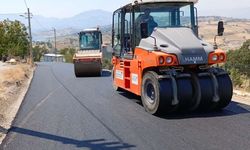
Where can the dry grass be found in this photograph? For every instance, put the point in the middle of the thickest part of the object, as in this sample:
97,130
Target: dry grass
14,80
11,81
236,33
17,73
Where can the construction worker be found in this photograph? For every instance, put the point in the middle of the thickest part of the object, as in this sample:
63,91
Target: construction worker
145,18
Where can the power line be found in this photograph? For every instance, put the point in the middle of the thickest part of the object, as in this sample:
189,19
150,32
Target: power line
25,4
40,24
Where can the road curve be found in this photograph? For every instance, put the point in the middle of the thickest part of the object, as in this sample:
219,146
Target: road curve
61,112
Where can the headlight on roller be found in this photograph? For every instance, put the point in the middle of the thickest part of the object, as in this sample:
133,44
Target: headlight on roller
161,60
215,58
222,57
169,60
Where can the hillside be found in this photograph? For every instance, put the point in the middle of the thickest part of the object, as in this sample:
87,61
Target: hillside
242,13
237,31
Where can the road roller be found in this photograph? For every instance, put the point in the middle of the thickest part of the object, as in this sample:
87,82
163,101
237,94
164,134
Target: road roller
158,55
88,60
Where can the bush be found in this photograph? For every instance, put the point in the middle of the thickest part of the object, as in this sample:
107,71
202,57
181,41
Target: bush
13,39
238,64
68,54
236,77
107,64
38,52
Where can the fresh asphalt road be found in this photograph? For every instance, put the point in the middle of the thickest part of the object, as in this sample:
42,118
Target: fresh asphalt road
61,112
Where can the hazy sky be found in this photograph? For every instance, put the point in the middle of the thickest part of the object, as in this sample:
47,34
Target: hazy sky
68,8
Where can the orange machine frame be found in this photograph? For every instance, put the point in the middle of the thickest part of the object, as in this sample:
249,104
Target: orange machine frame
128,73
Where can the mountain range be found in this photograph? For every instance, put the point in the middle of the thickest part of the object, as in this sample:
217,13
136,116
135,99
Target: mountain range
42,26
83,20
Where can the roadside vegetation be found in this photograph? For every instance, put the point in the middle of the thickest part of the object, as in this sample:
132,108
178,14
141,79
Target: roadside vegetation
13,39
38,52
14,42
106,64
14,76
68,54
107,56
238,65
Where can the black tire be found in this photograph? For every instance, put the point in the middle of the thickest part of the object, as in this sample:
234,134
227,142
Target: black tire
99,74
207,94
225,90
185,93
197,93
156,95
77,73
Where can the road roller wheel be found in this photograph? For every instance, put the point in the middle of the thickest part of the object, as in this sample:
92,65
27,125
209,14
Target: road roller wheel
77,72
185,93
207,93
197,93
87,70
156,94
99,74
225,90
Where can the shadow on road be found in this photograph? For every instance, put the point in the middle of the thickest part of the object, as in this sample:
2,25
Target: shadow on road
106,73
231,110
91,144
3,130
234,108
131,96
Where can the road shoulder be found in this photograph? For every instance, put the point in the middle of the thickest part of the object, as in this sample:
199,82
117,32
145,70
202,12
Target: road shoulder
14,84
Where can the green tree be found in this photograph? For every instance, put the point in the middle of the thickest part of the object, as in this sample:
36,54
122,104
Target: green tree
38,52
68,54
13,38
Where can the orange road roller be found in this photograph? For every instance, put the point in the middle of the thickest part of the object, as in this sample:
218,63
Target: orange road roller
158,55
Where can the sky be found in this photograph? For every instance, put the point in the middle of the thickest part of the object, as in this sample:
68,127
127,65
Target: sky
69,8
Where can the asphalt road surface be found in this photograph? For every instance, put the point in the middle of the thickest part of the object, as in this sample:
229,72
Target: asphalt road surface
61,112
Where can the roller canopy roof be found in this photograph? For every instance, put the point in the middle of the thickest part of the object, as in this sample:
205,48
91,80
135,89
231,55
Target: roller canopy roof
91,30
155,1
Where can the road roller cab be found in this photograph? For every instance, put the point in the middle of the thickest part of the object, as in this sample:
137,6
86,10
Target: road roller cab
88,60
158,55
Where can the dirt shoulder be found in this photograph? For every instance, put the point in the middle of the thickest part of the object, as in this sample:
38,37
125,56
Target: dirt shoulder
241,97
14,83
